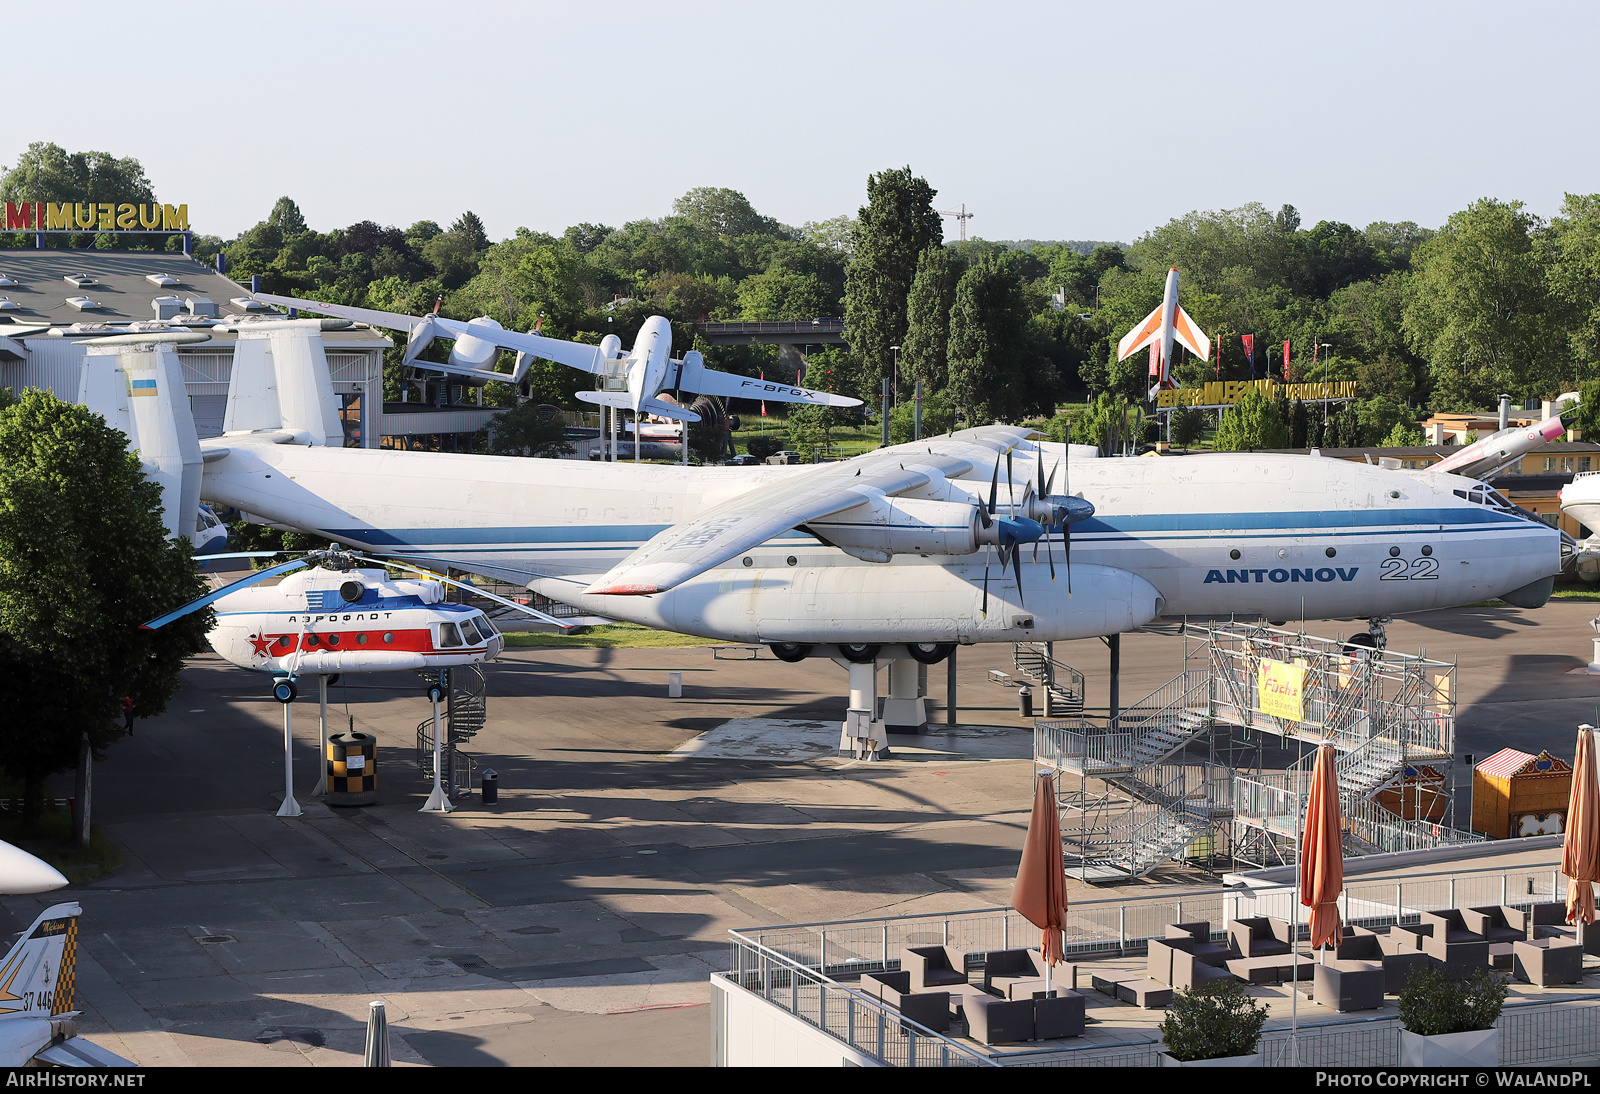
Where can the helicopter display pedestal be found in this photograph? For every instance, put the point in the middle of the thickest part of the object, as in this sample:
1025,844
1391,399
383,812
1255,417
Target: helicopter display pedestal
438,801
321,789
290,807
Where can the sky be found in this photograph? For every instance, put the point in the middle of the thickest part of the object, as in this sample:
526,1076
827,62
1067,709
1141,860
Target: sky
1048,120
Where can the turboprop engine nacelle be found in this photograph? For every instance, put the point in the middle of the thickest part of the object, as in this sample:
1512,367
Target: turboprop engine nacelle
883,527
466,352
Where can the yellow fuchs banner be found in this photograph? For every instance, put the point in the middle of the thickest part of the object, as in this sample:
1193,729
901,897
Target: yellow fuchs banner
1282,689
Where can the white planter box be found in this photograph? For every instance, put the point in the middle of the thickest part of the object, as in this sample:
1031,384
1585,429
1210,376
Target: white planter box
1252,1060
1475,1048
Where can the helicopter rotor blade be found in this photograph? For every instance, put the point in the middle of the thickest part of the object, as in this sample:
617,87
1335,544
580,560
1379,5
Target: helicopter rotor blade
479,592
217,594
239,554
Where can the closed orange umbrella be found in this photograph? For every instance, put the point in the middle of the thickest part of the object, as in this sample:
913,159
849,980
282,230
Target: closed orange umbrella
1580,846
1322,852
1040,893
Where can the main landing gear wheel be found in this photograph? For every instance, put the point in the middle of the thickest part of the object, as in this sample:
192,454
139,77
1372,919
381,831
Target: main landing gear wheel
284,691
930,653
435,693
790,651
859,655
1360,645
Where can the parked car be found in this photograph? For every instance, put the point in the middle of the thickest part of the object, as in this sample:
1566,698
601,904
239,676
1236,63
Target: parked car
784,457
741,461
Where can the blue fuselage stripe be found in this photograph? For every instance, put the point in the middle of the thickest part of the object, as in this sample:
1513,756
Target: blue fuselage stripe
1163,528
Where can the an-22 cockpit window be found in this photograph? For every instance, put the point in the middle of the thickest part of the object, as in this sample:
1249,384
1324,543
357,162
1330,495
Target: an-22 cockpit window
1484,495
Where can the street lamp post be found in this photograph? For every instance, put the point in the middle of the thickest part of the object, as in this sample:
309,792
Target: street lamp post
1325,347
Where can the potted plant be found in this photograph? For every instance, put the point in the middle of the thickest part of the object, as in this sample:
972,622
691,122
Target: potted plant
1449,1021
1214,1025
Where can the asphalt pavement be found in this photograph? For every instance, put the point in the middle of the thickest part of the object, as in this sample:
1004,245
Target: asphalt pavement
577,920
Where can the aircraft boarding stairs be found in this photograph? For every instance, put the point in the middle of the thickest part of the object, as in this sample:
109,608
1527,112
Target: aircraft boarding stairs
466,711
1387,715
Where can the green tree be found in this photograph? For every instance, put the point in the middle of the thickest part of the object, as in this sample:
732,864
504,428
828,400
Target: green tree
896,225
287,217
1105,426
86,561
1188,425
48,172
719,211
1587,416
925,352
1404,435
937,417
528,430
989,374
779,295
1480,310
1572,251
1250,425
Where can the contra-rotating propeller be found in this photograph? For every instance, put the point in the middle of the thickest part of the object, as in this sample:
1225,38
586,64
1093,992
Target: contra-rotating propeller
1008,534
1033,518
334,558
1056,511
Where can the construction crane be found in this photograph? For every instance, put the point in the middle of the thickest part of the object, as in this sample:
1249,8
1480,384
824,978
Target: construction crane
961,216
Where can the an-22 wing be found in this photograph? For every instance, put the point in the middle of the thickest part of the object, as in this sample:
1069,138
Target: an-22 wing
768,509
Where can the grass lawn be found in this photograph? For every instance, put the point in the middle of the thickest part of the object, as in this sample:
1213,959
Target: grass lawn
1576,593
53,843
610,636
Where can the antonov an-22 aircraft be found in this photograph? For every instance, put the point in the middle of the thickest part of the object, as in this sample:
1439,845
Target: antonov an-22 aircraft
889,547
929,544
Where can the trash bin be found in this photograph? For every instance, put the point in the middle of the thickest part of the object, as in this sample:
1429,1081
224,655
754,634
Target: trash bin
1025,702
491,786
352,769
674,685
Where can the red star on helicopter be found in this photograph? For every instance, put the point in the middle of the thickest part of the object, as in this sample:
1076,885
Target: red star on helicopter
260,642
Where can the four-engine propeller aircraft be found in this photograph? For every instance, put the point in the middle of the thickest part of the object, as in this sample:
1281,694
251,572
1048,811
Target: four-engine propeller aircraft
645,371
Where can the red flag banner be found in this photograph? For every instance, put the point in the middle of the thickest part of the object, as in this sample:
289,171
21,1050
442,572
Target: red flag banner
1249,341
1286,372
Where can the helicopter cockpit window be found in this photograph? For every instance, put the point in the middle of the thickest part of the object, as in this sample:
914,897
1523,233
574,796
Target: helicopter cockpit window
471,631
449,635
486,628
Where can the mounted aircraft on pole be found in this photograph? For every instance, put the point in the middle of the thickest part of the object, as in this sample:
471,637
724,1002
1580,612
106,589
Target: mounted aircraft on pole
1159,330
644,372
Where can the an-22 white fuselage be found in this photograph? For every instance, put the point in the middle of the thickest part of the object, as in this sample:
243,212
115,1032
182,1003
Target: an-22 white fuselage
1279,537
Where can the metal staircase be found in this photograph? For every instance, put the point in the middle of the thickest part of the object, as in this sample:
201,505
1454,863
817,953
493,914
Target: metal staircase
466,712
1383,712
1062,684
